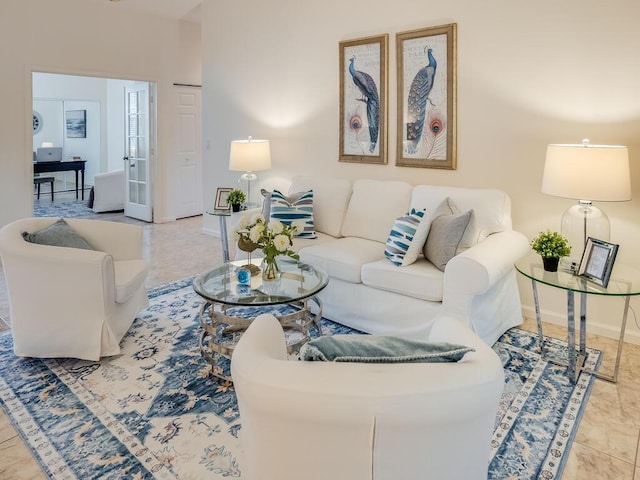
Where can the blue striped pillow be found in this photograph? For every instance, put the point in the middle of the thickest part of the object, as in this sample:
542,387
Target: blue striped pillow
407,237
298,206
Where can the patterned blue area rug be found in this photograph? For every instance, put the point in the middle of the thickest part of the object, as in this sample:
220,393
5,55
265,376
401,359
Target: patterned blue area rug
153,412
70,209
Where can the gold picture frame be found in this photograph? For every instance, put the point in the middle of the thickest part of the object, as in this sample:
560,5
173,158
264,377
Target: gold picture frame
427,85
363,100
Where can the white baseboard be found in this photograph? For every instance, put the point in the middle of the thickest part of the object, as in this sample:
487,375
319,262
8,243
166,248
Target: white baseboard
597,328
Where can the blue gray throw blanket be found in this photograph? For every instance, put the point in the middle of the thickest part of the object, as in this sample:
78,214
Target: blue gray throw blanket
380,349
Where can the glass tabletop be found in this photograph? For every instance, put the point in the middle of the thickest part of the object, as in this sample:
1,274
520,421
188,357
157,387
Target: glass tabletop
220,213
624,281
298,281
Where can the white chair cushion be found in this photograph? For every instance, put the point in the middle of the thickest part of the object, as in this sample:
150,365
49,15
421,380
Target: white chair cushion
373,206
129,275
343,258
420,280
330,199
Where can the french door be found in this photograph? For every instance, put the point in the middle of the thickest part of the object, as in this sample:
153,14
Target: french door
138,154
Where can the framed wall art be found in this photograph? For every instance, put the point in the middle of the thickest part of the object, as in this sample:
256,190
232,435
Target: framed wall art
427,85
363,100
222,198
597,261
76,123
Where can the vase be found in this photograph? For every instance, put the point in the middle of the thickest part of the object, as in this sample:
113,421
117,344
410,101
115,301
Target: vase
270,270
550,263
235,207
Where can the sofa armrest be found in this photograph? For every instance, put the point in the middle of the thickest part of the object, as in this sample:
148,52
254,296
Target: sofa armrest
477,269
109,191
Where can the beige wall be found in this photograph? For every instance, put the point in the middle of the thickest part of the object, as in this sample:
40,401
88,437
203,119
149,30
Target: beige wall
530,73
84,38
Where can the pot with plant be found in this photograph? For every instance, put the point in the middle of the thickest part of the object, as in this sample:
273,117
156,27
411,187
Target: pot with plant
236,198
551,246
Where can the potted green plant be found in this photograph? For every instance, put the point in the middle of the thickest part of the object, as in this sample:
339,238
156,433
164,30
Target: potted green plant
236,198
551,246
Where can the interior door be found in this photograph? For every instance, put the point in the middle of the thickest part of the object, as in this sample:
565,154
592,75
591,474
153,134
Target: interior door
137,157
188,151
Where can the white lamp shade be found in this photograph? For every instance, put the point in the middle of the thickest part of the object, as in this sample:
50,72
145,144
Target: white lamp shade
587,172
47,144
249,155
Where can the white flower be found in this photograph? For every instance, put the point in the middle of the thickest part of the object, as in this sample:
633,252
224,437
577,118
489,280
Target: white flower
257,218
281,242
243,223
276,227
256,232
298,225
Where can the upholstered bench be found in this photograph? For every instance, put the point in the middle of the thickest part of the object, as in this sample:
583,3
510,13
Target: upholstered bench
37,181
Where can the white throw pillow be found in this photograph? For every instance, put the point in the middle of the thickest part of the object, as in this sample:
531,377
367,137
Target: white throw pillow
407,237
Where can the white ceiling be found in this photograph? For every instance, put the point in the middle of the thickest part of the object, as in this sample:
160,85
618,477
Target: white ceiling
188,10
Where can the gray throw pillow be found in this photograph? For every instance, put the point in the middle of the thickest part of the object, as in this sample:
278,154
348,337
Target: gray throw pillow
59,234
380,349
444,238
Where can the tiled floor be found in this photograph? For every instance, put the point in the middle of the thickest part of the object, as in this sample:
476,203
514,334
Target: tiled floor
607,443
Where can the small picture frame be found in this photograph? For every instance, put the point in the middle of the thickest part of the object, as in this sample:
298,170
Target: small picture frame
597,261
222,195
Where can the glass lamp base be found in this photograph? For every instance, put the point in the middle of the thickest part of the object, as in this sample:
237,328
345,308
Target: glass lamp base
580,222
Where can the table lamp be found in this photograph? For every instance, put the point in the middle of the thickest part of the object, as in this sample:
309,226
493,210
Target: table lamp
249,156
586,173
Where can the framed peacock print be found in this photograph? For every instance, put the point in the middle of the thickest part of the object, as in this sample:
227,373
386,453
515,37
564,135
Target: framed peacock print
363,100
427,85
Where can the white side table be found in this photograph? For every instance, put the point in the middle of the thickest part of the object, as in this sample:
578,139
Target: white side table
624,282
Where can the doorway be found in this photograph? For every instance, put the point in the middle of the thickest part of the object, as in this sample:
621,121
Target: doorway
86,117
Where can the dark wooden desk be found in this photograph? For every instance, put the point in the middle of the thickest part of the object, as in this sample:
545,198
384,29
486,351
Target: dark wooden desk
67,166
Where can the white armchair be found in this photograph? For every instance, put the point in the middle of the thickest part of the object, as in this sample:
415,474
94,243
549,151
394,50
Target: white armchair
69,302
108,191
357,421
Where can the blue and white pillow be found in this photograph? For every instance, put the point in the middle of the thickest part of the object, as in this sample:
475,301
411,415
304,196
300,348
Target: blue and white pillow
407,238
298,206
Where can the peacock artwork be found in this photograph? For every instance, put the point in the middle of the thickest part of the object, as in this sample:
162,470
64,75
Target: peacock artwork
363,97
369,96
426,128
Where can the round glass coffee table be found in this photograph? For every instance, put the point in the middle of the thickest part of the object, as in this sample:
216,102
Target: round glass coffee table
230,307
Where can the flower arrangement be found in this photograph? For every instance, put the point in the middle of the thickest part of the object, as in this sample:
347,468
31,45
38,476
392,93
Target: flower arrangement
274,238
551,245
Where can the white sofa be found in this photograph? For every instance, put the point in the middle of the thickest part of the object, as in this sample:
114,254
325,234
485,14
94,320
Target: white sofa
108,191
369,293
356,421
70,302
